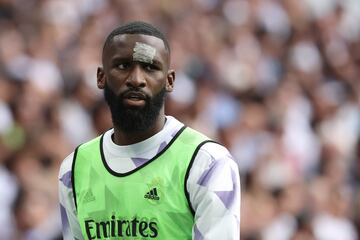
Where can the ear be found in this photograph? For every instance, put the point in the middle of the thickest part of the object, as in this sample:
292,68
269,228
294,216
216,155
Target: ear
170,80
101,79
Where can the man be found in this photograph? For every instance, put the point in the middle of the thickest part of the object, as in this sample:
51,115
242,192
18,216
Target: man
149,177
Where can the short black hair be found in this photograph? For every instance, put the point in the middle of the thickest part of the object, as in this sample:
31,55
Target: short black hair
137,27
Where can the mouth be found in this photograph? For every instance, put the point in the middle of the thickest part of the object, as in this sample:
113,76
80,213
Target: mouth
134,99
135,95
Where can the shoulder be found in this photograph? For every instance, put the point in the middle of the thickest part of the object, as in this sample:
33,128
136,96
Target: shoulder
65,174
210,148
215,150
213,153
212,160
209,151
66,164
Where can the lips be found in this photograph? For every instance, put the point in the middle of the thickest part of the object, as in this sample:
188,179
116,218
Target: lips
134,98
134,95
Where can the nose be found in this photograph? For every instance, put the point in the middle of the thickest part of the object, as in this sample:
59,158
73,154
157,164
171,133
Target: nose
136,78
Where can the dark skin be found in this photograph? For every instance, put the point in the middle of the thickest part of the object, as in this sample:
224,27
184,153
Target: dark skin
121,73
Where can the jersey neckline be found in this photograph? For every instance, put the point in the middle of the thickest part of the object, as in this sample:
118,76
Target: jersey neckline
117,174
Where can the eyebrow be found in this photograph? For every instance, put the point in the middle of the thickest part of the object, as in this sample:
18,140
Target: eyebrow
130,59
121,59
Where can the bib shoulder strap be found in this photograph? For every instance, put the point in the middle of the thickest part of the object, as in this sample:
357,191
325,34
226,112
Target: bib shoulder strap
82,150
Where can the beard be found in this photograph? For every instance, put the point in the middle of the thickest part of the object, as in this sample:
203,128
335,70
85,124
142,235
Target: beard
133,119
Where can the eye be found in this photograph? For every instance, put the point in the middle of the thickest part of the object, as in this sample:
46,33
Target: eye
150,67
123,66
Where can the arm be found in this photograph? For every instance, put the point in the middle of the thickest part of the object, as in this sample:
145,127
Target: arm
214,190
70,224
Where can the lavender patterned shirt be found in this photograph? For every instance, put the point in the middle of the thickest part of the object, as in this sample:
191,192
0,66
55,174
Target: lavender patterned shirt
213,183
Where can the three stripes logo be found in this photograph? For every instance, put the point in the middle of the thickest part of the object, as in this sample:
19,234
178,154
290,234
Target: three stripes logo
152,194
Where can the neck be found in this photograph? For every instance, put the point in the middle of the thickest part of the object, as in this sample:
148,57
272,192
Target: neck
126,138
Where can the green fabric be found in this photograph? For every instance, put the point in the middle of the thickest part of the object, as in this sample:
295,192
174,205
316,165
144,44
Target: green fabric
149,203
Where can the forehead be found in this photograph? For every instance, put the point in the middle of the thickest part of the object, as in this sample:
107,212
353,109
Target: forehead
123,46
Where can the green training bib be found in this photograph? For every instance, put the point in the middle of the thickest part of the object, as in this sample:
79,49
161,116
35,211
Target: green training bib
149,202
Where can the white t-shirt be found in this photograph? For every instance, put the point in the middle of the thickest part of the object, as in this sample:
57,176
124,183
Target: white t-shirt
213,183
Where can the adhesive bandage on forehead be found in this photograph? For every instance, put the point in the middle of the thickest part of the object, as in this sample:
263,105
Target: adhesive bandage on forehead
143,53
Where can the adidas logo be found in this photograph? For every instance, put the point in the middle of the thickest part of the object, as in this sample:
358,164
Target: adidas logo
152,194
89,197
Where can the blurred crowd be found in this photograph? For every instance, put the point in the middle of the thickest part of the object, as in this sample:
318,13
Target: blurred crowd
276,81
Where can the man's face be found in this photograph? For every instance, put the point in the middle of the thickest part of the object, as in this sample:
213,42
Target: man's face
135,77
